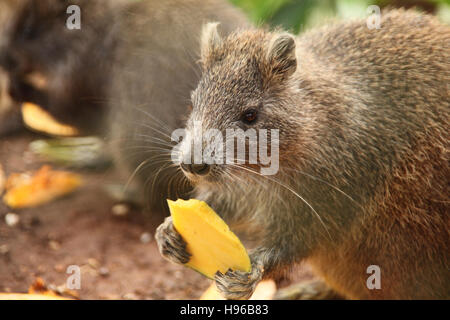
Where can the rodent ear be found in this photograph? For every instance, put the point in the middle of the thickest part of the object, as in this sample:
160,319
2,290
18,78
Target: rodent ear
210,41
281,56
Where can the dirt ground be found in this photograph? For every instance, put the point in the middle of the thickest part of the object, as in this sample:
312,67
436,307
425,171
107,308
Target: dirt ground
117,255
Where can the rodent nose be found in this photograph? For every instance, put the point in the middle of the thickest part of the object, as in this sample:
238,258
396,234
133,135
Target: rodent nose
198,169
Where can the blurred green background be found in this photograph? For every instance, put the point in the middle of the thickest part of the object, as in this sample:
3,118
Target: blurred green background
299,15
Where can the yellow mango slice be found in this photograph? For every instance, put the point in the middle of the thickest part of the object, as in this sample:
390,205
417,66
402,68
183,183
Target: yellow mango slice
24,190
40,120
213,246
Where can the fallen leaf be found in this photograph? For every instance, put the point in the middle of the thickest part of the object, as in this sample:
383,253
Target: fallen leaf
37,291
26,296
30,190
40,288
40,120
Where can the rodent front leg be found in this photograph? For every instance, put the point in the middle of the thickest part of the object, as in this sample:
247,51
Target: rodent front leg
170,243
239,285
275,254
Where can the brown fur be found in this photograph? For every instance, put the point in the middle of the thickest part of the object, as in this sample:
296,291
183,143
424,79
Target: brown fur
364,140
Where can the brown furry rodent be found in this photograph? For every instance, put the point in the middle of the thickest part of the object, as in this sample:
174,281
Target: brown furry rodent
364,154
128,69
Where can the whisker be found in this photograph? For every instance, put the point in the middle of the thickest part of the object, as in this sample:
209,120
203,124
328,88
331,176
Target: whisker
289,189
147,147
142,164
162,125
327,183
164,134
153,138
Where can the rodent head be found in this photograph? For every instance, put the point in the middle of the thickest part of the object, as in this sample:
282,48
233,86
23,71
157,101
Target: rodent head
246,84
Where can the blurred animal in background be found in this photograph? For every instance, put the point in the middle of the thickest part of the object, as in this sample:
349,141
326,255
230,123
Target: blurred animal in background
126,75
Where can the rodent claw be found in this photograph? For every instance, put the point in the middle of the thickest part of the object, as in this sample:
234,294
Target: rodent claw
170,243
237,285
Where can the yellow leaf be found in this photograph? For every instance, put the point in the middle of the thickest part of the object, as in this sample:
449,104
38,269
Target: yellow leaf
40,120
45,185
27,296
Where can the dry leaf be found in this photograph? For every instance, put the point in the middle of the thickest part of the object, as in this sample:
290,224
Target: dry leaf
30,190
39,287
26,296
265,290
40,120
37,291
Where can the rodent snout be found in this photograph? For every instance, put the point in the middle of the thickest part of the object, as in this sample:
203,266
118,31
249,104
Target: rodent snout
201,169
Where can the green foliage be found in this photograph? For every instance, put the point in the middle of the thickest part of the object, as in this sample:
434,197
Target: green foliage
298,15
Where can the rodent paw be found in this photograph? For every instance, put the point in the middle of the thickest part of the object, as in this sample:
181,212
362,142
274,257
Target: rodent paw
238,285
170,243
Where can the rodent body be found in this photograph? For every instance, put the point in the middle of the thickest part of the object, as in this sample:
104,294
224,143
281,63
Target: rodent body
391,155
364,153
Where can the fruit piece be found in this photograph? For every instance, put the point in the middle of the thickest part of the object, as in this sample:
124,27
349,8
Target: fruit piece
212,245
265,290
24,190
2,180
40,120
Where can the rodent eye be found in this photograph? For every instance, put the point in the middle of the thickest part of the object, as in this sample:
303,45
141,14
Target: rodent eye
249,116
